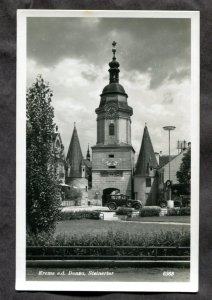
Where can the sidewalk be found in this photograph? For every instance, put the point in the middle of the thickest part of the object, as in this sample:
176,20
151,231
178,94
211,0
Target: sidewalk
111,216
80,208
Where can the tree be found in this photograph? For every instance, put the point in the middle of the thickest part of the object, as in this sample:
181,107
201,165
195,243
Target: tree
73,194
184,174
42,189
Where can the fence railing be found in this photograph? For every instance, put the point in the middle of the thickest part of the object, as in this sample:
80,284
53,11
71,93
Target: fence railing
152,253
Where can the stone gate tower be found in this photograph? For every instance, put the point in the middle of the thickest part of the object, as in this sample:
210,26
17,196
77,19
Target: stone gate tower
113,154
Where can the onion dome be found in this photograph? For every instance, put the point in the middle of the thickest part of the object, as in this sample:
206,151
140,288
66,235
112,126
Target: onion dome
114,86
114,63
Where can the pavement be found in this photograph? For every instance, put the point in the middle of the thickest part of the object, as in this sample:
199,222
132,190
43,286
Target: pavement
153,222
80,208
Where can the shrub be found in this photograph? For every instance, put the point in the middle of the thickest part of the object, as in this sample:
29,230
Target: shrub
117,238
185,211
39,239
124,211
175,211
83,214
149,211
73,194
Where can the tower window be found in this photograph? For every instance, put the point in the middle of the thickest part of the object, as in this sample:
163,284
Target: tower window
111,155
111,129
148,182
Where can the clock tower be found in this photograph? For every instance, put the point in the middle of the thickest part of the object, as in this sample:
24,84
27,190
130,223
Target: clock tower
113,154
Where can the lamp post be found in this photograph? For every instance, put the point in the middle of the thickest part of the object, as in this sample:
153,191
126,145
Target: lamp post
169,128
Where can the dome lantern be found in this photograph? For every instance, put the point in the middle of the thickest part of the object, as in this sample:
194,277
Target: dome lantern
114,49
114,66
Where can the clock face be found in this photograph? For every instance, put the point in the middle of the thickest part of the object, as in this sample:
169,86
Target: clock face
111,111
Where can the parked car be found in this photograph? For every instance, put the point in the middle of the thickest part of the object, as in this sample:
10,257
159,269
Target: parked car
114,201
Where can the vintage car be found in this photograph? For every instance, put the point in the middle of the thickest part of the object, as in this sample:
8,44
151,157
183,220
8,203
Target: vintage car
114,201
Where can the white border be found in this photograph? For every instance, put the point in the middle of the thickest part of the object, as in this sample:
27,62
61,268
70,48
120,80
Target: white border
21,283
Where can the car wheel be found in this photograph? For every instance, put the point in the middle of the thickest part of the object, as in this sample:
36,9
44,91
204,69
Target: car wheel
137,206
112,206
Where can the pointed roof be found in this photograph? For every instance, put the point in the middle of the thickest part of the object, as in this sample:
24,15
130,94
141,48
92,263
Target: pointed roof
88,156
164,159
74,156
87,163
146,158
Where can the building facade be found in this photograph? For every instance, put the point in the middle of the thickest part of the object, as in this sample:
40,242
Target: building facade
163,176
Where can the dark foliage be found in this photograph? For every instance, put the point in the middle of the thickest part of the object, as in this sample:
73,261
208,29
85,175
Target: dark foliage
149,211
42,190
124,211
185,211
184,174
73,194
173,211
77,215
113,239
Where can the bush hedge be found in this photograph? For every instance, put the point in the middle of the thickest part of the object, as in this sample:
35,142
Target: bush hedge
185,211
149,211
175,211
124,211
40,239
114,238
77,215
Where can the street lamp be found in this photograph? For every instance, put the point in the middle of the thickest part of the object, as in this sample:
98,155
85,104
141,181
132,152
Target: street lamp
169,128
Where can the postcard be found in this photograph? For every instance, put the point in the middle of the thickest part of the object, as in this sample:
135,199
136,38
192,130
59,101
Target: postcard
107,150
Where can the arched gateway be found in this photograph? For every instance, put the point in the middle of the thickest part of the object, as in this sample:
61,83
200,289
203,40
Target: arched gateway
107,192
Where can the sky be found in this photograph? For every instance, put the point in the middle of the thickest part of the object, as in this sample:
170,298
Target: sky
72,54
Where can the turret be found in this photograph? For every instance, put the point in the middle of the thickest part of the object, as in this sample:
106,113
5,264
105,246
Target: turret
74,157
88,156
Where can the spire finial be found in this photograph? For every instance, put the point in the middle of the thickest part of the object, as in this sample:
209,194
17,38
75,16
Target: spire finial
74,124
88,156
145,124
114,49
114,66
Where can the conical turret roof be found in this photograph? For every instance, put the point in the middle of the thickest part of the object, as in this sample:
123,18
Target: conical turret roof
146,158
74,157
